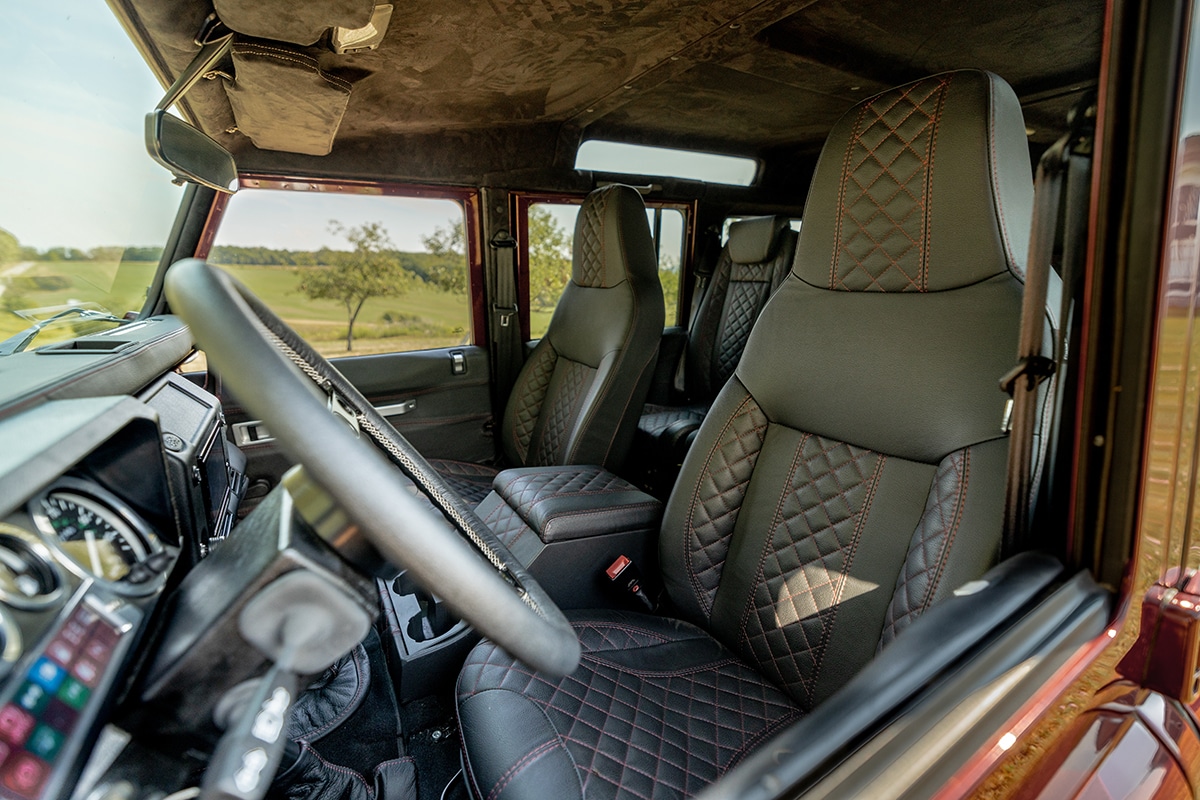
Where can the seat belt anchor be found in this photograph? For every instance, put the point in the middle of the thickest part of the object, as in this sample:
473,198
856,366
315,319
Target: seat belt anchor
1037,367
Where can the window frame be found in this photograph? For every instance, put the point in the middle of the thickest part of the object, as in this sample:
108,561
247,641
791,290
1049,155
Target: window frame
519,203
468,198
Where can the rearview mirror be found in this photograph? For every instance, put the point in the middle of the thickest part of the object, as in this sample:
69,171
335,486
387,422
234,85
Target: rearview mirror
189,153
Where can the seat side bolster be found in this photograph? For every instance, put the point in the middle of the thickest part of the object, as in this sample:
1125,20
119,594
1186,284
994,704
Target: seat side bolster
499,761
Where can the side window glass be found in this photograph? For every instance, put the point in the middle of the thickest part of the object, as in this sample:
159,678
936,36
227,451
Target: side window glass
353,274
550,228
667,226
551,231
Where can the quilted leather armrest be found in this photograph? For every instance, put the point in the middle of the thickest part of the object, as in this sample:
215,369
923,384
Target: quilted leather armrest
573,502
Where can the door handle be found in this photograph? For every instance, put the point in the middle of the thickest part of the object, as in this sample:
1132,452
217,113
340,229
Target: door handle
396,409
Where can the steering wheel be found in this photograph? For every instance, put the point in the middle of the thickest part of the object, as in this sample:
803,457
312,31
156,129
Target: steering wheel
278,378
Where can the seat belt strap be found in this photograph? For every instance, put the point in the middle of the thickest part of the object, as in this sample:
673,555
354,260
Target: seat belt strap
1022,381
705,267
504,321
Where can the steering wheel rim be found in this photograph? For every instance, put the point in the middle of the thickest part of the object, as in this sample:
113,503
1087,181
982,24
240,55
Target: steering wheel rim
241,339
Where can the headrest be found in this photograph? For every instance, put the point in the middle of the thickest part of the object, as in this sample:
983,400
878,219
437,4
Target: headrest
752,240
612,239
916,190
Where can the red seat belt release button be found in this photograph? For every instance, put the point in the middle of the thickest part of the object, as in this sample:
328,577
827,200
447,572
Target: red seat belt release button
625,575
617,567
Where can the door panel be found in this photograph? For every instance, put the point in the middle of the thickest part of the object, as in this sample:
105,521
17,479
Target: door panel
444,415
443,409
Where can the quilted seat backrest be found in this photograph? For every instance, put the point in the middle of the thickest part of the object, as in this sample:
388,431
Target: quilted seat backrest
851,473
752,264
577,398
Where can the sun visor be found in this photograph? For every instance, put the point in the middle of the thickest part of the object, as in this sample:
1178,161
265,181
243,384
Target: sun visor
290,21
283,100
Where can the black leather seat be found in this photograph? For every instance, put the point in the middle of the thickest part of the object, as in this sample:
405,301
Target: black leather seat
576,400
847,477
752,264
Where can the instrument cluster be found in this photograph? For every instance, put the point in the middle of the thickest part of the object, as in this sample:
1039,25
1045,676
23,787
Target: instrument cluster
76,570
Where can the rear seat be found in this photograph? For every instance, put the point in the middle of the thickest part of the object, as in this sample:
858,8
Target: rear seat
751,266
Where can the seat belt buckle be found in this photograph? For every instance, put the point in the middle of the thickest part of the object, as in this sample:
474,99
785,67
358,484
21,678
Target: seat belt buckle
626,578
504,314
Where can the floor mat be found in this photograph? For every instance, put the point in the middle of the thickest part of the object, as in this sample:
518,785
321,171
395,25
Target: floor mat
432,741
371,735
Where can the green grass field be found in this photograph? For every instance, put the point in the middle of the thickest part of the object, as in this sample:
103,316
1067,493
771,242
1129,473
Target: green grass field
115,287
421,319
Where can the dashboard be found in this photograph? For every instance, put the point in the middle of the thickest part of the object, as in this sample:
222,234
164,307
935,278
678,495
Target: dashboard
104,503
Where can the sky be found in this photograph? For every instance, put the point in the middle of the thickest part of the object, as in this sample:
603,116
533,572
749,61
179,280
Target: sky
73,163
290,220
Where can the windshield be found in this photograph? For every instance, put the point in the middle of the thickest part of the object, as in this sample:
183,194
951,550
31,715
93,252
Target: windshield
83,209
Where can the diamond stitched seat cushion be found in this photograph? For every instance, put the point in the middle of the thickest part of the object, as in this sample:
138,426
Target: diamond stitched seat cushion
656,709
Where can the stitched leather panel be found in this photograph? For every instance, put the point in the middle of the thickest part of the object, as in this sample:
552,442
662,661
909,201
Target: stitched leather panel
569,502
570,382
884,207
930,546
656,419
311,777
506,523
745,300
527,396
806,556
331,699
473,482
656,709
589,265
717,498
760,272
529,488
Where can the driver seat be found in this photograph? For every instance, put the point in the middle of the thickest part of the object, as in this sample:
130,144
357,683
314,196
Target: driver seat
849,475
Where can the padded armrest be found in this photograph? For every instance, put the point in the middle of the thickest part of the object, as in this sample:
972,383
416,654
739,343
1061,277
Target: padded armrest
567,524
564,503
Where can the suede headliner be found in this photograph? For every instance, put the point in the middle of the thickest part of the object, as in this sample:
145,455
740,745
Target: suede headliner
500,91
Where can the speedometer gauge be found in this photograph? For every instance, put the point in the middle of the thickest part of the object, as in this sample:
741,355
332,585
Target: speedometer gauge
98,535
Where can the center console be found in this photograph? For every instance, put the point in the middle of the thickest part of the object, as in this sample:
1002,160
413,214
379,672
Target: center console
570,526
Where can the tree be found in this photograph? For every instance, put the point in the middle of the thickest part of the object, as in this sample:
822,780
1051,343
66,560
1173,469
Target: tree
449,271
371,269
668,276
549,258
10,249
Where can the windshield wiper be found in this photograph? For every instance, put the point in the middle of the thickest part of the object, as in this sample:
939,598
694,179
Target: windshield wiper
17,343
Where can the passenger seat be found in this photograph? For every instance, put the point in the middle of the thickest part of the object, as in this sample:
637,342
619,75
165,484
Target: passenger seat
750,268
575,401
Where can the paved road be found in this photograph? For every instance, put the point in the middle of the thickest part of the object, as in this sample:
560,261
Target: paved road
12,272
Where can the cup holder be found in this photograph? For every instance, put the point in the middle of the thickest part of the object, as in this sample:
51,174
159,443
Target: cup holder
432,620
